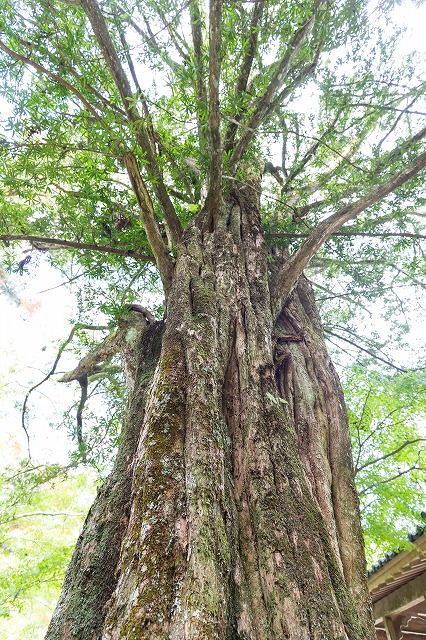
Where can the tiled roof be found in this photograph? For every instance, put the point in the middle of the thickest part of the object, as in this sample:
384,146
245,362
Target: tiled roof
388,556
398,568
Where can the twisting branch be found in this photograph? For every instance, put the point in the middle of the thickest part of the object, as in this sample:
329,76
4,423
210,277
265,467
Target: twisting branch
285,278
112,59
46,244
83,398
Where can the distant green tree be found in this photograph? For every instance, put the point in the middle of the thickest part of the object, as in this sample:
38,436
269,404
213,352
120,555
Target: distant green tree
387,415
42,509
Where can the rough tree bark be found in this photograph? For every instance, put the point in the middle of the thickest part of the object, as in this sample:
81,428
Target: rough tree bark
231,512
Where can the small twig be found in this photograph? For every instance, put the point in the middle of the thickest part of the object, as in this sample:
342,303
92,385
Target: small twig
43,513
49,375
391,479
371,353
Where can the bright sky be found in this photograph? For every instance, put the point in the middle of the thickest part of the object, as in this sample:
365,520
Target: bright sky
27,333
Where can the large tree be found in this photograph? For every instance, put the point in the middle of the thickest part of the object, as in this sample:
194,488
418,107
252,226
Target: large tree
146,133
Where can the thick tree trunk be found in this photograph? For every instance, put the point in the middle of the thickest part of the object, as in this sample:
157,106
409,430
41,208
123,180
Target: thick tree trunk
243,520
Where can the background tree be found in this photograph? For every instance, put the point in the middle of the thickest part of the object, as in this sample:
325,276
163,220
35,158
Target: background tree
41,513
231,503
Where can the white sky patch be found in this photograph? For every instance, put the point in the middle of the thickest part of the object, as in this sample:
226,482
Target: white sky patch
30,335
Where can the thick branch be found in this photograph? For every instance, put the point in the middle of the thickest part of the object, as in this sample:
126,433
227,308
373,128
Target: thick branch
88,365
245,70
215,39
284,280
197,41
109,52
163,260
70,244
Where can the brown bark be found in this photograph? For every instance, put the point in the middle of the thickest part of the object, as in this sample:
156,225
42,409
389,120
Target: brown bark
243,518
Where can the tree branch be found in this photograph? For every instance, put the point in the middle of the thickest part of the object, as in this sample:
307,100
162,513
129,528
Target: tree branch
200,87
55,77
391,479
49,375
361,234
263,103
83,382
395,124
110,55
149,40
70,244
174,36
388,455
66,514
284,280
159,249
245,70
65,147
215,39
358,424
370,353
88,365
